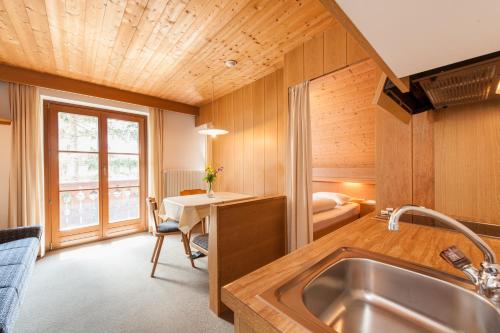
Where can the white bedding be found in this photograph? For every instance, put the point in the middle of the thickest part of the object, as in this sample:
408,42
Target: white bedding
330,217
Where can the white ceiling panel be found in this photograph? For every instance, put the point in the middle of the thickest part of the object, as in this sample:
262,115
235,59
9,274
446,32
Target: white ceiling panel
415,36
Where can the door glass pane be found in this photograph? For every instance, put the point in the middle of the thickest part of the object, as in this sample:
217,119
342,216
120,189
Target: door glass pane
78,132
123,170
78,171
123,204
78,209
123,136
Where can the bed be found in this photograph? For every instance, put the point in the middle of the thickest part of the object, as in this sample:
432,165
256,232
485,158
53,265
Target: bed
329,220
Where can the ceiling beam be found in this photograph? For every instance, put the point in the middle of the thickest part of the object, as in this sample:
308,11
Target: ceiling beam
345,21
34,78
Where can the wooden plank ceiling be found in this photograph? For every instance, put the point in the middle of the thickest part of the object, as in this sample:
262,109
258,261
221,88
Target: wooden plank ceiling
168,49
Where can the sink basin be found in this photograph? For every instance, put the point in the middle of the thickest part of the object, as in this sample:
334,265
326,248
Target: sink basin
358,291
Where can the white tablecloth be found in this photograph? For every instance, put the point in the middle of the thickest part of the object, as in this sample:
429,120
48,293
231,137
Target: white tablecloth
191,209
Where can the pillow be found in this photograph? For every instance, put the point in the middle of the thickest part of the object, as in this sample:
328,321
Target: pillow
339,198
321,205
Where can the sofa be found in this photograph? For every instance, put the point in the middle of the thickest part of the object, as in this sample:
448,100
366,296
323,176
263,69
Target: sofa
18,252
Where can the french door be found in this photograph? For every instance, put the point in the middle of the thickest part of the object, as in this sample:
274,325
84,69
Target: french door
95,173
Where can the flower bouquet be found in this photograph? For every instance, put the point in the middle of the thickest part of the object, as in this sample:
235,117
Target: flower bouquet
210,177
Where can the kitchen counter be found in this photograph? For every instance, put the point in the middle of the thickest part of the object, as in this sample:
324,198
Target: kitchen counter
414,243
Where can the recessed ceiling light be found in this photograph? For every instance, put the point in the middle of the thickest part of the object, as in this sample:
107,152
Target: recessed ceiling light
230,63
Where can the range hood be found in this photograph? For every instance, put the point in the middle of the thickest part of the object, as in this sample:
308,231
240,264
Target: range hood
470,81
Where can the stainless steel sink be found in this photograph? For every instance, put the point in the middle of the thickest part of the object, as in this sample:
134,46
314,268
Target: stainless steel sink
358,291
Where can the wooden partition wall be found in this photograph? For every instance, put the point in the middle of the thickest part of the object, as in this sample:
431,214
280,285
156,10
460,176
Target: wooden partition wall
244,236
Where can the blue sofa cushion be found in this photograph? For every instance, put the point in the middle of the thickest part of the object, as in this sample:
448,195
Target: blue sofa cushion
25,242
18,255
9,309
14,276
18,250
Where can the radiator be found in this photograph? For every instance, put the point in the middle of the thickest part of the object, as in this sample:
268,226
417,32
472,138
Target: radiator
176,180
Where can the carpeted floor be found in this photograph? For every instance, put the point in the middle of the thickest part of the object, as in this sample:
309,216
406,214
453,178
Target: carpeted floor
105,287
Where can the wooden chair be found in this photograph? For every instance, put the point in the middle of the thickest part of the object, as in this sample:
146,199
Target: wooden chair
193,191
163,229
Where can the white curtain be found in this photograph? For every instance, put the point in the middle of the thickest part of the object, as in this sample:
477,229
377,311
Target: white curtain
155,143
26,202
299,168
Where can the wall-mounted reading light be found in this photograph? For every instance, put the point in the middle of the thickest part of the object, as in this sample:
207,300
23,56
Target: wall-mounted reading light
498,88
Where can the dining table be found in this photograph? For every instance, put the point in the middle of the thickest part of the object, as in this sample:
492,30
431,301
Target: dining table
188,210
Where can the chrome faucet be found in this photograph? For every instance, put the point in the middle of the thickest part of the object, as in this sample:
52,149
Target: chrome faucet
487,277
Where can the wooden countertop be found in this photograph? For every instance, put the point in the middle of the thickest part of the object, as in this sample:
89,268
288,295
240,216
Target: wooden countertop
413,243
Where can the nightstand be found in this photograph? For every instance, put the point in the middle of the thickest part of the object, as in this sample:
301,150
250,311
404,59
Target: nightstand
366,207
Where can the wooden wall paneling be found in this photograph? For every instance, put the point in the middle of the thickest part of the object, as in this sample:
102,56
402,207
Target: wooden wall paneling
259,133
335,48
250,152
456,168
209,159
467,161
224,153
294,66
216,142
204,116
227,158
313,57
423,159
271,134
248,139
355,53
343,118
238,136
282,130
393,161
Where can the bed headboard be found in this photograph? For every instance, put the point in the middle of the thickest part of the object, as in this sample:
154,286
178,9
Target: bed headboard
355,182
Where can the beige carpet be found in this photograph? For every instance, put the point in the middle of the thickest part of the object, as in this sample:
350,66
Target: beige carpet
105,287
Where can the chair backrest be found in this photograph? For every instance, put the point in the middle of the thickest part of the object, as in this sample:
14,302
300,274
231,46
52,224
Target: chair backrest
193,191
153,207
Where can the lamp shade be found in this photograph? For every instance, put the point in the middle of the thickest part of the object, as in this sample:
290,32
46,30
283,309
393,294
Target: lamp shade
213,132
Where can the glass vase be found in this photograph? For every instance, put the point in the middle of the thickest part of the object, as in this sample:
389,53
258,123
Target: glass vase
210,191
